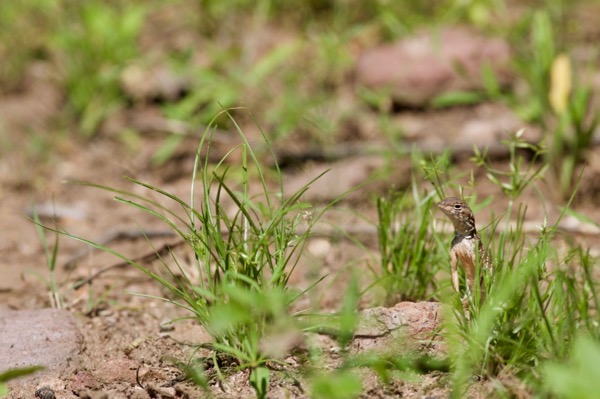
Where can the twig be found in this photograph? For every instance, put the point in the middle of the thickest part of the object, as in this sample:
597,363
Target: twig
141,259
117,236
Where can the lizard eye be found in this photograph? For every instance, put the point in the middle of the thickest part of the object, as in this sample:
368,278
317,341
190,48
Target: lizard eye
457,206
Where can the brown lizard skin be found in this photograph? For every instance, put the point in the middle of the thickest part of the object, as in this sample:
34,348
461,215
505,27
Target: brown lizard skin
467,247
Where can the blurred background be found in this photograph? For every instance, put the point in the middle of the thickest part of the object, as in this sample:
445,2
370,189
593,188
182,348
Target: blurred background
322,79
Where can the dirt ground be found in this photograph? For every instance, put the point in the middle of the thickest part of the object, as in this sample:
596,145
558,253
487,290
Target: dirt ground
121,334
124,346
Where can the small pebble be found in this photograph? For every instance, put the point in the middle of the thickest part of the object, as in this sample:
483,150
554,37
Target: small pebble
166,326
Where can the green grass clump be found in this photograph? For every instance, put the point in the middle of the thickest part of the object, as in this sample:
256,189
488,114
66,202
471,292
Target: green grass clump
243,258
409,262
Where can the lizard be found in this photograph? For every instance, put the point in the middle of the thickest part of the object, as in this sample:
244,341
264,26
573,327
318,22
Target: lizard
467,247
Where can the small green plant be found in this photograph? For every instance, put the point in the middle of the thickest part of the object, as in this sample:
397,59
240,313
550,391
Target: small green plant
51,253
534,64
436,171
406,245
23,37
100,38
521,172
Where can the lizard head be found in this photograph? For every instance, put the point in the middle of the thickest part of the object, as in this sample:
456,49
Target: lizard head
459,214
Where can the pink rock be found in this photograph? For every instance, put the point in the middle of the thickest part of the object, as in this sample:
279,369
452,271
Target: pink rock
402,328
419,68
45,337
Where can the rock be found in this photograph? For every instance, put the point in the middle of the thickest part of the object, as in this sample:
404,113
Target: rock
485,125
144,83
419,68
405,325
190,333
46,337
341,177
319,247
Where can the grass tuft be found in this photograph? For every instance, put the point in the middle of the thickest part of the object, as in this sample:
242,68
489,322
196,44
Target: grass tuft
246,244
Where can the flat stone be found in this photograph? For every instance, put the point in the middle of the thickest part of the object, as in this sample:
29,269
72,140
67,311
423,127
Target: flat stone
339,178
417,317
403,327
45,337
419,68
485,125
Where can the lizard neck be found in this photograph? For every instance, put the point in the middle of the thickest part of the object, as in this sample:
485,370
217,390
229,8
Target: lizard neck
461,217
465,235
465,229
